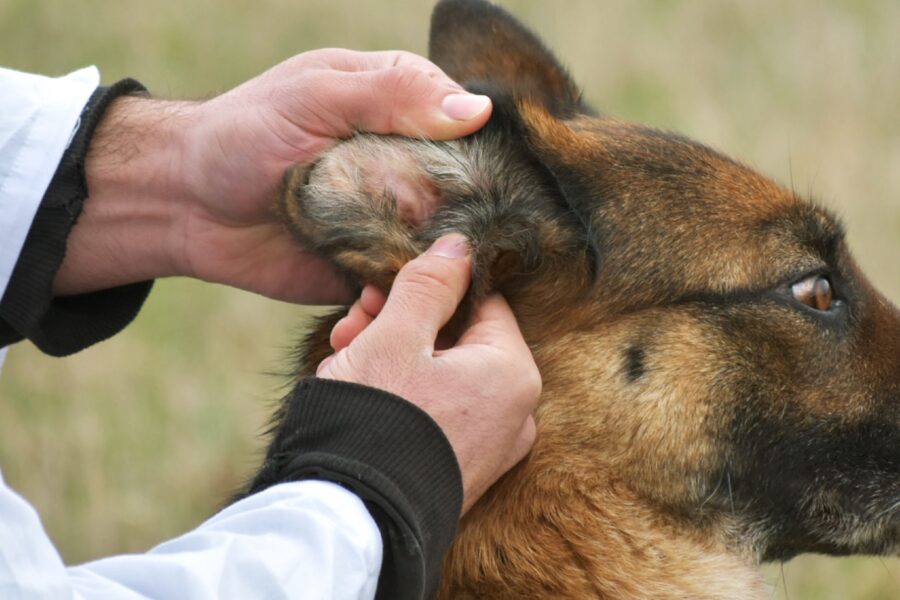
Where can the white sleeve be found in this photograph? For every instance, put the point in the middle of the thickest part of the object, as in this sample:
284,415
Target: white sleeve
307,539
38,116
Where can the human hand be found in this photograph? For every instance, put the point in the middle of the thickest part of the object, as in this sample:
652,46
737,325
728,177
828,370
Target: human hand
180,188
481,391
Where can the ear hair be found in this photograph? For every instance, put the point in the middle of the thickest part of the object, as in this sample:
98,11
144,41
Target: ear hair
519,216
531,123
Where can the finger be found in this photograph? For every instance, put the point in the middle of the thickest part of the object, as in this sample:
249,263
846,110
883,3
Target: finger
355,61
372,300
407,77
414,102
493,323
426,293
360,315
346,330
401,99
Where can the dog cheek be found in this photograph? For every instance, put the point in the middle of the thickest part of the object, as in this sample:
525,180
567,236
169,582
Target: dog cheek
656,428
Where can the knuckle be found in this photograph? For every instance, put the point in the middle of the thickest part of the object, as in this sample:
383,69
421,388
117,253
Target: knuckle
405,83
437,279
400,58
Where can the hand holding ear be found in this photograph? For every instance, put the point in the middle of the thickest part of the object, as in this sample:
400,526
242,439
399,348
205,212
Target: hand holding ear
481,392
246,139
186,188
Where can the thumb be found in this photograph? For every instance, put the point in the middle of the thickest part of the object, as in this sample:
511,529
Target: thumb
414,103
426,292
403,94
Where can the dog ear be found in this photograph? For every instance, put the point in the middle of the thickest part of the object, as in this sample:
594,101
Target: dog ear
474,41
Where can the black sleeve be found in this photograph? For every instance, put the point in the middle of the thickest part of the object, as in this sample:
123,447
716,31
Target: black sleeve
391,454
66,324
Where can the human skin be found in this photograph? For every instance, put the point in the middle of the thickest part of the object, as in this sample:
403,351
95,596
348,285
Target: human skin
186,189
481,391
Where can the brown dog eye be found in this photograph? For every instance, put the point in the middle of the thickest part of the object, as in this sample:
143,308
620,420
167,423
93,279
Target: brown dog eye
814,291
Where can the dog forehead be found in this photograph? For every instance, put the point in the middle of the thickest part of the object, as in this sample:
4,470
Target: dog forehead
681,210
674,174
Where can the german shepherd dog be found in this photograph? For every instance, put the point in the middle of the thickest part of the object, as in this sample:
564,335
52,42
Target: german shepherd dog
721,383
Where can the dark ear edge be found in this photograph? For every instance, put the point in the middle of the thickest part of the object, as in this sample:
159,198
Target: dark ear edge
474,40
506,123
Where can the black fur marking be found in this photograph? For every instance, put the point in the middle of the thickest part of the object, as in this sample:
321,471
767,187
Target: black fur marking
634,363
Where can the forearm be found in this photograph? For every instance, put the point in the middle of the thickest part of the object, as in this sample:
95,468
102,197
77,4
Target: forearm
128,230
60,325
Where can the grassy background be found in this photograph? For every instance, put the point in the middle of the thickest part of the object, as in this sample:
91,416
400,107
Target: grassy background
141,437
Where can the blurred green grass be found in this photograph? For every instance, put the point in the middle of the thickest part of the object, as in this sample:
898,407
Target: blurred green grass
141,437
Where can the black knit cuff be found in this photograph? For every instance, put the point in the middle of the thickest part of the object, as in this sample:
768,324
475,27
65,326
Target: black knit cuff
391,454
67,324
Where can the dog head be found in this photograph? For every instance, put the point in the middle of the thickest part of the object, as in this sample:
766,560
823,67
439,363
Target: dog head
708,346
728,351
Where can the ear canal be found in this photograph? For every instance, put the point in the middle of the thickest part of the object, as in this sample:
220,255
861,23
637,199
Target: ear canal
474,41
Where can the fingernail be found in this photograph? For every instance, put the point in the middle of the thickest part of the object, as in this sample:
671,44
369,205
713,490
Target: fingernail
452,245
462,107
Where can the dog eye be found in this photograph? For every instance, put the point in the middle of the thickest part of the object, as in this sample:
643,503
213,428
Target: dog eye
813,291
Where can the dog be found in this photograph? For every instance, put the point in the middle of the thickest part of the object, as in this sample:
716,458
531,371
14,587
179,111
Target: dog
721,382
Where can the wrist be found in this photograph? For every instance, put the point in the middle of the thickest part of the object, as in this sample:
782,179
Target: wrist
128,229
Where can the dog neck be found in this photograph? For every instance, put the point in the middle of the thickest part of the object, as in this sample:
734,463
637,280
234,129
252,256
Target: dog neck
543,532
568,521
